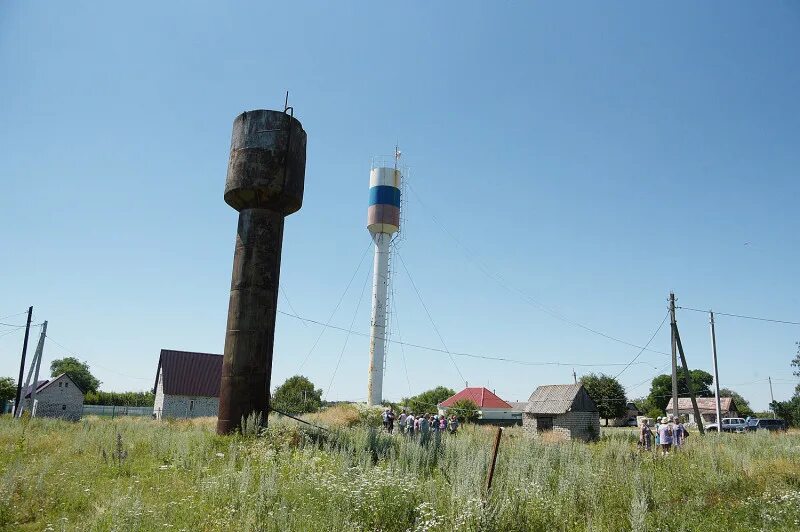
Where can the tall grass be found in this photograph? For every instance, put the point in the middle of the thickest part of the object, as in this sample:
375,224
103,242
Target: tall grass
181,476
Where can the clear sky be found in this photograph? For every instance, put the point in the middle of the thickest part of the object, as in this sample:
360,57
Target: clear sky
592,156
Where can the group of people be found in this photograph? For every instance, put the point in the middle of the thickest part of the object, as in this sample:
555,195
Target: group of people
421,425
669,433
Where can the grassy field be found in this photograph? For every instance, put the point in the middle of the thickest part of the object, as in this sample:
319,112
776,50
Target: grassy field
181,476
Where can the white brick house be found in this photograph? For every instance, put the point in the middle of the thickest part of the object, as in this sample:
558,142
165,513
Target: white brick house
562,408
58,397
187,384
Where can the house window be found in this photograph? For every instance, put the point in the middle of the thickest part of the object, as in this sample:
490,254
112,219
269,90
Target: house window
191,406
60,384
63,407
66,384
544,423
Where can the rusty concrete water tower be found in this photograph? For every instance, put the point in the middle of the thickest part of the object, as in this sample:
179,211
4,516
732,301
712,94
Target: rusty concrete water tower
266,172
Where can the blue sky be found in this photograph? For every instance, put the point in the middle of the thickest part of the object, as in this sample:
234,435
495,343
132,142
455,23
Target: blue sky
593,156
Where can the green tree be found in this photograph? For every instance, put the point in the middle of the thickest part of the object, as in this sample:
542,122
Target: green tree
427,401
297,396
8,390
661,388
119,398
466,410
78,371
607,393
742,405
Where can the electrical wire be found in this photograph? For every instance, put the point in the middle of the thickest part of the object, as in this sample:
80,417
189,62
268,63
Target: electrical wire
349,332
645,346
435,328
289,303
785,322
529,299
12,315
461,354
73,353
400,335
308,355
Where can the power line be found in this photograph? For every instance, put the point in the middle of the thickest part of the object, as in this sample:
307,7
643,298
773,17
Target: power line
645,346
358,267
349,332
12,315
419,296
12,331
460,354
71,352
529,299
785,322
396,322
291,307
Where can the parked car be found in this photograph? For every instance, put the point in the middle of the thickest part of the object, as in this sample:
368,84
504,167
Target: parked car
766,424
729,424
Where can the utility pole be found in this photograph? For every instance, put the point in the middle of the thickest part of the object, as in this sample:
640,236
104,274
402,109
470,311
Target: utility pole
771,397
35,363
688,377
22,362
39,354
674,328
716,373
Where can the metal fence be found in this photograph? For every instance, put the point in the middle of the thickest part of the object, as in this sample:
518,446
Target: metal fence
114,411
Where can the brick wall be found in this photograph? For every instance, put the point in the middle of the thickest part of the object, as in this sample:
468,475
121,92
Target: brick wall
182,406
60,399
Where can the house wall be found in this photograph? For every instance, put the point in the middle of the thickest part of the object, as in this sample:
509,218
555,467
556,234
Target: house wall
183,406
60,399
576,425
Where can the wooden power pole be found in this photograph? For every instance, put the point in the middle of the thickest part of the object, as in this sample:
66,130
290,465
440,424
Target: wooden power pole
687,376
674,328
716,373
17,402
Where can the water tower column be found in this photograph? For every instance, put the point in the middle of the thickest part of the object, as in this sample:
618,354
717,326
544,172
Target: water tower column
383,221
266,173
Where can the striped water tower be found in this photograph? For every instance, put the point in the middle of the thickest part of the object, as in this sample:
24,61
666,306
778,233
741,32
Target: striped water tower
383,221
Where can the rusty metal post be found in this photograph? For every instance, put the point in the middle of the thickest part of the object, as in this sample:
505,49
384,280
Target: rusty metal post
266,173
493,462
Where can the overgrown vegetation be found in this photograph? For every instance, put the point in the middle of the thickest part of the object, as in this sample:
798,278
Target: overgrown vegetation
119,398
427,401
297,395
78,371
139,474
607,393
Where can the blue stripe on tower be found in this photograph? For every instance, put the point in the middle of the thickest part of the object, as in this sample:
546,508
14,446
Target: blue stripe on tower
384,195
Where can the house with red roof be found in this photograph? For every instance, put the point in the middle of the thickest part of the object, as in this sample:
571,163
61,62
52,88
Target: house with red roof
492,409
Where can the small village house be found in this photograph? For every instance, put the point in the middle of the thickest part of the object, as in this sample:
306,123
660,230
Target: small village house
58,397
628,419
491,409
564,409
187,384
707,407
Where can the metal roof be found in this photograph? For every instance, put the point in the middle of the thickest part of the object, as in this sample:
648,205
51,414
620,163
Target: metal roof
27,390
482,397
559,399
706,405
188,373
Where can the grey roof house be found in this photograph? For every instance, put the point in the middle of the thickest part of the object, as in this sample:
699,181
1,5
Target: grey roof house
58,397
707,407
564,409
187,384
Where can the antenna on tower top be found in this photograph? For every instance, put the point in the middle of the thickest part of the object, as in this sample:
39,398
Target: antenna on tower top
397,155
